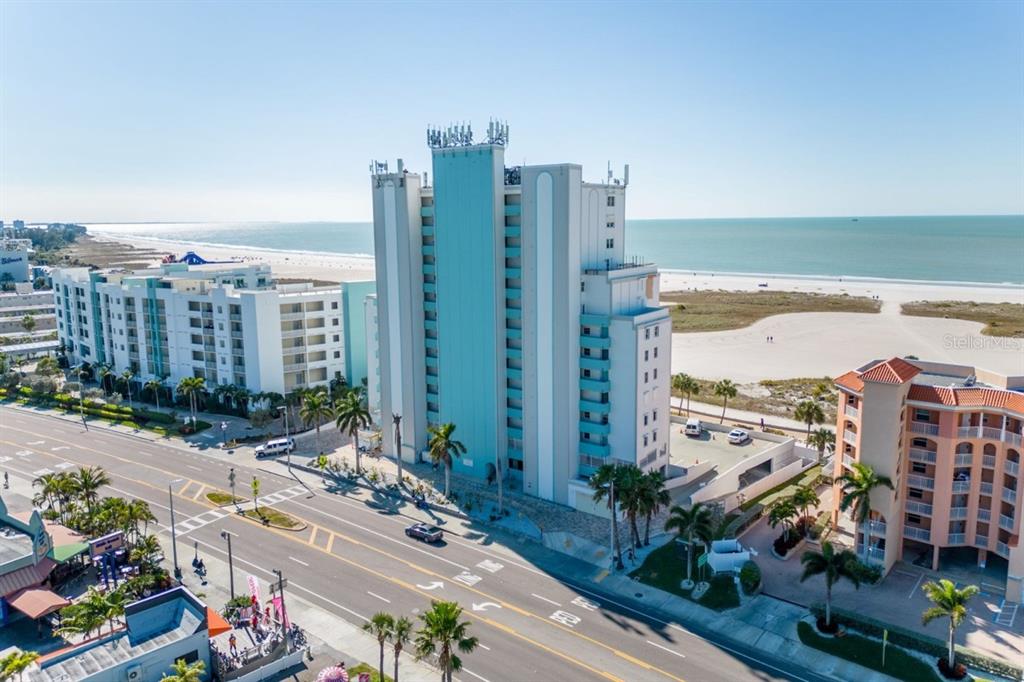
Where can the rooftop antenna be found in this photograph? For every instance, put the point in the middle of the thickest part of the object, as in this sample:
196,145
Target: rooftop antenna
609,172
625,177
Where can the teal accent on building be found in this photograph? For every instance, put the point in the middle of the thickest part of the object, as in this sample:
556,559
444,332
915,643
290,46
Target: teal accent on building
154,327
468,190
353,294
99,342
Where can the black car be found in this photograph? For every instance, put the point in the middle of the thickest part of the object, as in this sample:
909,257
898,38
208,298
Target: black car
422,531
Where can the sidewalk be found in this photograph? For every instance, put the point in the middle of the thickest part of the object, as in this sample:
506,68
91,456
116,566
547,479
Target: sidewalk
752,419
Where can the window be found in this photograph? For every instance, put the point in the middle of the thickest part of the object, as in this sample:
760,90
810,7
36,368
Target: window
334,305
919,443
647,333
654,415
610,224
609,243
515,464
655,351
656,331
583,286
220,310
915,493
334,322
336,338
611,201
655,372
654,435
922,415
337,354
645,419
913,518
645,377
647,355
918,467
645,440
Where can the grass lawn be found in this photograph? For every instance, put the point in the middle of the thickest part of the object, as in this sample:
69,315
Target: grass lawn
712,311
786,489
665,568
868,653
1000,319
275,517
220,498
770,396
353,672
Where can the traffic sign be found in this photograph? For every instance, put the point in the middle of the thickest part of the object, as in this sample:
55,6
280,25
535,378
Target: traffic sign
702,560
282,584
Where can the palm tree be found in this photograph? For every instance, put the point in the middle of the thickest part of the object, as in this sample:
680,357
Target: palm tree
86,483
350,416
630,499
686,385
154,386
783,512
835,566
809,412
126,379
106,379
138,511
192,388
442,633
947,602
442,448
693,523
380,626
804,498
401,631
822,390
653,497
87,614
315,410
145,552
856,491
113,606
603,482
185,672
725,389
822,439
16,663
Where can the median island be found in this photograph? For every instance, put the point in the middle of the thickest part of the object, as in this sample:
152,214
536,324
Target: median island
712,311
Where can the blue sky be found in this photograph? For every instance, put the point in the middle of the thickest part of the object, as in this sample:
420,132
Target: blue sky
234,111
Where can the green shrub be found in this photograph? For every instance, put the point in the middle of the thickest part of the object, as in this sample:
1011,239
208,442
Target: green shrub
750,577
868,653
910,639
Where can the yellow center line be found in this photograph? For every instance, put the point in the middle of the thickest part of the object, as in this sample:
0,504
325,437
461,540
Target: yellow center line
414,566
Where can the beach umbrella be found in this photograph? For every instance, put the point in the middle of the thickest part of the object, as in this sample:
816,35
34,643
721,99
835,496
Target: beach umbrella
332,674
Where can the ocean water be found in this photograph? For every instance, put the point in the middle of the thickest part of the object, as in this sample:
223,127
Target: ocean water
983,249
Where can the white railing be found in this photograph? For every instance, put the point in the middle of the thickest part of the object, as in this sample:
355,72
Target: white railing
1009,496
1003,549
875,554
964,459
850,437
961,486
956,538
921,455
1012,468
921,482
980,541
984,514
986,487
988,461
967,432
876,527
848,461
919,508
917,533
989,432
1012,438
925,428
958,512
852,411
1005,522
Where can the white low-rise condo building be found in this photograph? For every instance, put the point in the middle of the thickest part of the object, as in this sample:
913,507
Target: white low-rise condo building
507,306
228,323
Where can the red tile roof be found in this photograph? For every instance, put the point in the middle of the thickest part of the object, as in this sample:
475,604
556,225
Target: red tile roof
973,396
893,371
850,380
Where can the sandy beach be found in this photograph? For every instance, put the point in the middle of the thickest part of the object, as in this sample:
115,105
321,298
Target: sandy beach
806,344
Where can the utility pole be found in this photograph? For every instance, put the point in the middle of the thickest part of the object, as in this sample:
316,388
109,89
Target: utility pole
285,408
174,535
284,613
231,564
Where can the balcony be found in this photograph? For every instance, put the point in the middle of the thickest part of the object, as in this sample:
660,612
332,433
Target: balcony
875,554
957,513
980,540
1012,438
235,317
967,432
592,407
986,487
850,437
925,428
848,461
599,429
963,459
922,482
876,528
988,461
599,364
961,486
956,538
922,534
291,317
1012,468
1009,496
1003,550
922,455
594,449
851,411
984,514
600,386
1006,522
595,342
922,508
989,432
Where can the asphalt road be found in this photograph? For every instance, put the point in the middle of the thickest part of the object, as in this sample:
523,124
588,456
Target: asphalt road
353,561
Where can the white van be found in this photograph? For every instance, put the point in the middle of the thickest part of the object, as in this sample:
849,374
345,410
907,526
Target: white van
693,427
278,446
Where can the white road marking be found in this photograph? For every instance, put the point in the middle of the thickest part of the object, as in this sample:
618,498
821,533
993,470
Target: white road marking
467,578
374,594
194,468
42,472
565,618
59,448
64,465
585,603
666,649
299,561
37,442
24,453
490,566
436,585
913,590
544,599
483,646
4,459
467,670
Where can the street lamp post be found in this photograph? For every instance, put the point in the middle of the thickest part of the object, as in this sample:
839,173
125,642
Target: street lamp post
285,408
284,613
174,535
231,564
231,480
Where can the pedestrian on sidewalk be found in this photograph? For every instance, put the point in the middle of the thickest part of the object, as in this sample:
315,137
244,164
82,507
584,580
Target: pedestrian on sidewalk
233,644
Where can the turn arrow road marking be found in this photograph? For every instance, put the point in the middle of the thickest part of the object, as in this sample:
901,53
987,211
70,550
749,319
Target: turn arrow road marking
485,605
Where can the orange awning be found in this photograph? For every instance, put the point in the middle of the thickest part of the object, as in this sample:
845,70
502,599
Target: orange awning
216,623
36,602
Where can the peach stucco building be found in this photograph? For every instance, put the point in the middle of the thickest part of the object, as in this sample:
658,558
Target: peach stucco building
949,437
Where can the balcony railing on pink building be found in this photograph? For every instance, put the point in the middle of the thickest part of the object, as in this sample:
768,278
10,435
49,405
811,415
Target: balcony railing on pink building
1013,438
961,486
925,428
1009,496
922,455
850,437
1006,522
1012,468
980,541
917,533
957,513
963,459
988,461
984,514
921,482
851,411
986,488
876,528
989,432
1003,549
956,538
966,431
915,507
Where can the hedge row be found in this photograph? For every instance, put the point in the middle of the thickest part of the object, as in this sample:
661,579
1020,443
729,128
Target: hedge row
95,407
915,640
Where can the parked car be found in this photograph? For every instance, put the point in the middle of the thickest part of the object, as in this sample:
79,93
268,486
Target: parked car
422,531
278,446
693,427
738,436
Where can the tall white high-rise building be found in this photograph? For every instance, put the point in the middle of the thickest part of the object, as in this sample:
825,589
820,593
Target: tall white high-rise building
507,306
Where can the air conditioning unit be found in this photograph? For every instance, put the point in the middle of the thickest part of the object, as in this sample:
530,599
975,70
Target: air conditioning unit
133,673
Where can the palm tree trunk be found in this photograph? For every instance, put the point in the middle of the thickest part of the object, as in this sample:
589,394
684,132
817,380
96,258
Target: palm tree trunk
447,478
687,405
616,548
636,531
951,657
318,438
725,402
689,557
355,440
647,531
381,667
397,653
828,605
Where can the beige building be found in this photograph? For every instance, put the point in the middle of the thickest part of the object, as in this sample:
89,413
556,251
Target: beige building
949,437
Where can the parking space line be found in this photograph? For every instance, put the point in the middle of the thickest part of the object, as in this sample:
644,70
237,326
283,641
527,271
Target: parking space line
664,648
913,590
